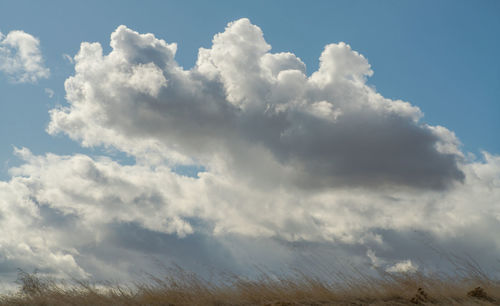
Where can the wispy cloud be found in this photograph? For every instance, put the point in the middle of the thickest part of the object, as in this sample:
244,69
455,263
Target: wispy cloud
49,92
68,58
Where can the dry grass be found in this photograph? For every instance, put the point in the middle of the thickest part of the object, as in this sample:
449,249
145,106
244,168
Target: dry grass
468,286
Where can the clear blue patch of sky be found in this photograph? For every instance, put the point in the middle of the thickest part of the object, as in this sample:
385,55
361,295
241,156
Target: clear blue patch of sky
188,170
439,55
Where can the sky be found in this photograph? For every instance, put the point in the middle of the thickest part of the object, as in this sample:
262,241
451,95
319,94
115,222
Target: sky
232,134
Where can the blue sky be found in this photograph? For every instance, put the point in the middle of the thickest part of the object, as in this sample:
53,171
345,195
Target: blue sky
440,56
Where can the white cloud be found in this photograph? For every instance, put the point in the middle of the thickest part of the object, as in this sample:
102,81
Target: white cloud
21,58
321,161
85,206
24,242
326,130
405,266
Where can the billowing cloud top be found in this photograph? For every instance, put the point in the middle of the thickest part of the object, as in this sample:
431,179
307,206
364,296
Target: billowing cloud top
253,113
20,57
321,160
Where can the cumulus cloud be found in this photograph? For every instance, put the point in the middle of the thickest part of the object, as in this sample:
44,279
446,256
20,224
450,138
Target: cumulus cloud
326,130
25,242
292,163
21,58
74,215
